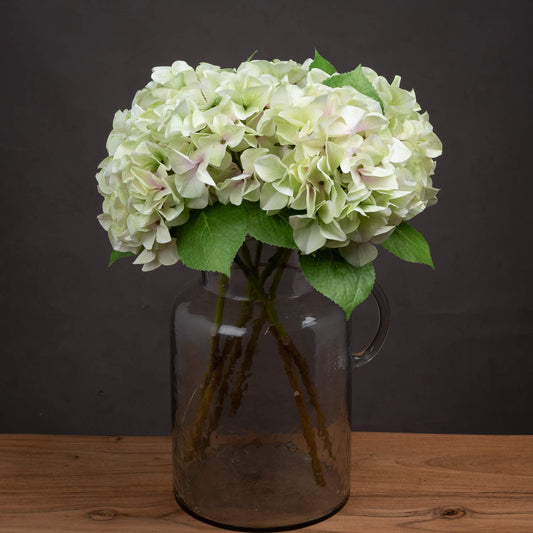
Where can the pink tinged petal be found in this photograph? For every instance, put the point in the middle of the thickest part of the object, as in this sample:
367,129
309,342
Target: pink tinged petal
189,186
372,121
179,162
191,174
155,183
232,135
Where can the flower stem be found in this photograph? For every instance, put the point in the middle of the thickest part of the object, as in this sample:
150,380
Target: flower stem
221,299
232,351
222,364
290,354
309,436
216,363
216,379
242,375
305,373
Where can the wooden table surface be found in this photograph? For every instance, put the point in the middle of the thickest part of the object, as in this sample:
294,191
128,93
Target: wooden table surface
400,482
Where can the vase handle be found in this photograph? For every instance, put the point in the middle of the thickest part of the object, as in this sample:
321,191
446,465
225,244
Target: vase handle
362,358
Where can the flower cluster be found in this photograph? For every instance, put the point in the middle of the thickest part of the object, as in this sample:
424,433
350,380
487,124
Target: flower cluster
270,132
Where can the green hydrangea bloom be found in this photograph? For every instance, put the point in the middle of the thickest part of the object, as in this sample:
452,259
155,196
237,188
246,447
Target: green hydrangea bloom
268,132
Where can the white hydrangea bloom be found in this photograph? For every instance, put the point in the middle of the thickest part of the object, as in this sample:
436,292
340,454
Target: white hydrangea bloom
267,132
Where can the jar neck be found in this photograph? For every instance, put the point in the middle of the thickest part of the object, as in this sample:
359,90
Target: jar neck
258,268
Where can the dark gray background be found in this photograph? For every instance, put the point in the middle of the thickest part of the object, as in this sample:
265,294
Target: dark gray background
85,349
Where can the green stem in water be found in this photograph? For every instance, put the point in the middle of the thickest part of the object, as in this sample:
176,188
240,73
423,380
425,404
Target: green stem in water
242,375
305,373
258,251
221,299
247,256
211,377
232,352
309,436
217,379
289,353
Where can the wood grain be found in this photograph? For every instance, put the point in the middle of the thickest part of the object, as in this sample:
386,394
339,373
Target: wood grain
400,482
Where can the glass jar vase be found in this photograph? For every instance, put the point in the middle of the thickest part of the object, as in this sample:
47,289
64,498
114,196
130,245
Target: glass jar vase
261,395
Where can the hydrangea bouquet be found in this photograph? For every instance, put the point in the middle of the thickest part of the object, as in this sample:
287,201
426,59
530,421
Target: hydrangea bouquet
294,155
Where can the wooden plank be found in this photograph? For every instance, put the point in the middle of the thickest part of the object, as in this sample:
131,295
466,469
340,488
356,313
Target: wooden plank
400,482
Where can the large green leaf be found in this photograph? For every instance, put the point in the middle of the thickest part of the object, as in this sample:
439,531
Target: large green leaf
270,229
212,237
322,64
335,278
356,79
116,255
408,244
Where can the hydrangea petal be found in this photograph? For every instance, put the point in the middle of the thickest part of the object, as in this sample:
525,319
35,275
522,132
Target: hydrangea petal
271,199
249,156
270,168
399,153
359,254
307,234
168,253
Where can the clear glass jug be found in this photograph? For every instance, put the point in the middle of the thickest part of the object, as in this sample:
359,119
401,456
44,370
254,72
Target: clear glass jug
261,395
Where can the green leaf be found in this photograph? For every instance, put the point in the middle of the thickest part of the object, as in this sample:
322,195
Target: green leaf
322,64
270,229
408,244
212,237
356,79
335,278
252,56
116,255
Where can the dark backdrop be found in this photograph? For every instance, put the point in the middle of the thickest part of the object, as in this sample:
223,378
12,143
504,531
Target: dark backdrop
85,349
